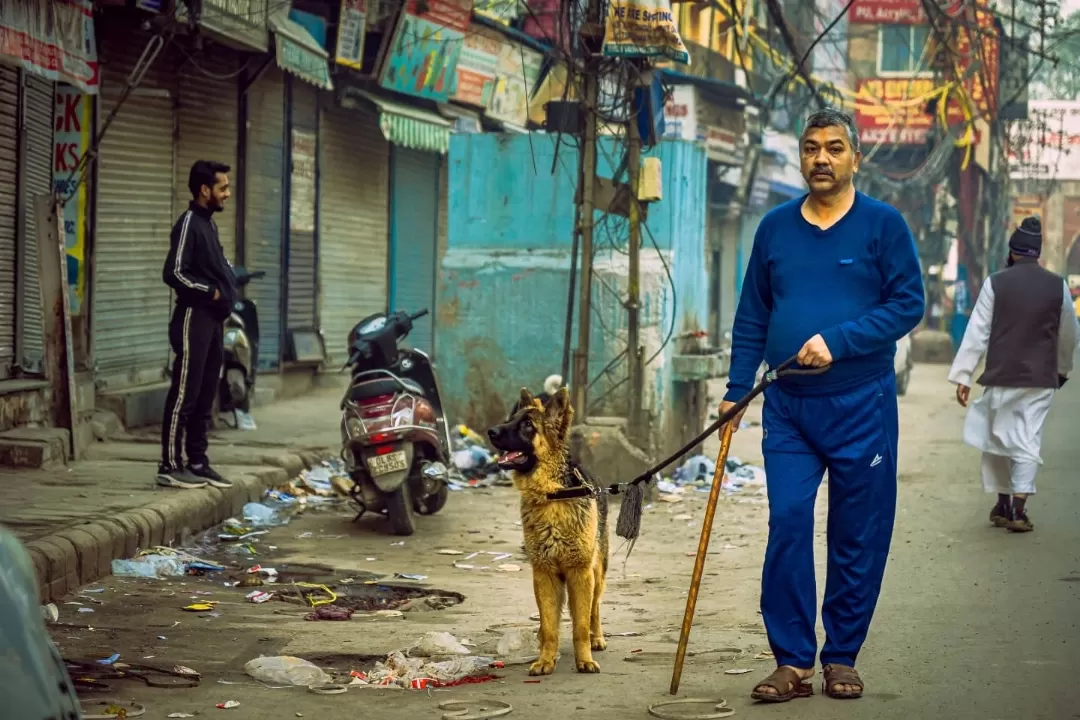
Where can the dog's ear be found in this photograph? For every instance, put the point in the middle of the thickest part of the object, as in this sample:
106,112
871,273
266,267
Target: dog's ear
526,398
559,415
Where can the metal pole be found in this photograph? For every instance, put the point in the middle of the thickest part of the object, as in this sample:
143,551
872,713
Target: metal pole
633,292
588,181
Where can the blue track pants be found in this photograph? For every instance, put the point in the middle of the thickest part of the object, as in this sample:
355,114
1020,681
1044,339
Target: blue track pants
854,436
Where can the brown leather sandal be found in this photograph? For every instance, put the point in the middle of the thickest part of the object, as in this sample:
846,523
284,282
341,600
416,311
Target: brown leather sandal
833,675
788,685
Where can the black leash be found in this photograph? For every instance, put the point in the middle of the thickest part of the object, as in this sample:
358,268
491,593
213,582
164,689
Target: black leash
783,370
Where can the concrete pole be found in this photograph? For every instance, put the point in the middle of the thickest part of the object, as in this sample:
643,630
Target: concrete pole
586,195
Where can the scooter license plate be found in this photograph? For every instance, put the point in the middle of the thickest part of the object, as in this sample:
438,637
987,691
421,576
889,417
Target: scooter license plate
380,465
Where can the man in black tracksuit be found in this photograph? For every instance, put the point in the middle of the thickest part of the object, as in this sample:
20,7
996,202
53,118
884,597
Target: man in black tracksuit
197,270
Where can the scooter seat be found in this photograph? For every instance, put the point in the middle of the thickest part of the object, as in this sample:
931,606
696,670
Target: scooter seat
366,389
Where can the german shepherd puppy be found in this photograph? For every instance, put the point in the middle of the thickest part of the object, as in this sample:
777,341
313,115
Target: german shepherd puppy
566,540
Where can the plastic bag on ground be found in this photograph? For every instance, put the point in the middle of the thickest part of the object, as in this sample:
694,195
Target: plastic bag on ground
149,566
286,670
518,642
259,515
436,644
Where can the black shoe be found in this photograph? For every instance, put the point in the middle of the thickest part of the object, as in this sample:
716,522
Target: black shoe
178,478
210,475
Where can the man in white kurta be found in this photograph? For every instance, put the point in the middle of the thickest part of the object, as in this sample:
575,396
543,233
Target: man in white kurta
1024,323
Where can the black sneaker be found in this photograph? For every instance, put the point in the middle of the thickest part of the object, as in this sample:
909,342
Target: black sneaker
207,473
178,478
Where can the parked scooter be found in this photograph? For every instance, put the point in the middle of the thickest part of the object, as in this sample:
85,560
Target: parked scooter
394,434
241,341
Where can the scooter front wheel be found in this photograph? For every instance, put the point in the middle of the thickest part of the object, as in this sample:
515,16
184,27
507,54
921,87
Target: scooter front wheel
399,510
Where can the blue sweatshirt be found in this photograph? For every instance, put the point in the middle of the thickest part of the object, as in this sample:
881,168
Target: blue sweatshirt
858,284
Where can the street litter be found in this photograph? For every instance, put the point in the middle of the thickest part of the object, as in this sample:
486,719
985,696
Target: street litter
286,670
414,673
109,660
93,591
697,473
180,715
50,612
518,642
111,710
737,671
86,610
227,705
487,709
447,551
472,464
509,567
435,644
330,612
162,562
258,596
260,516
409,576
200,607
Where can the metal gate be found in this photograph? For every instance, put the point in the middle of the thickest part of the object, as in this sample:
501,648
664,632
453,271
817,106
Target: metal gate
353,223
9,188
207,112
303,205
134,217
414,219
38,102
264,211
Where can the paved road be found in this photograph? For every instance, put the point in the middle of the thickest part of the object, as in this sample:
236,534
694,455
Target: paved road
973,622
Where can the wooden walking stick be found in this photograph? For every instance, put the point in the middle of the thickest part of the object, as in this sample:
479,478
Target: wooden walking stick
699,559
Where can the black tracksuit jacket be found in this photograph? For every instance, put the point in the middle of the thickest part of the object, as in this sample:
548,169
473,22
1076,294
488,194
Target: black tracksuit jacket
196,265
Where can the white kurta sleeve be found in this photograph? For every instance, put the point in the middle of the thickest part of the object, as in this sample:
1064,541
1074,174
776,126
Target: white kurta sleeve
1067,334
976,337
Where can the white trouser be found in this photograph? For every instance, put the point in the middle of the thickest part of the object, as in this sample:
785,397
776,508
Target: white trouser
1005,476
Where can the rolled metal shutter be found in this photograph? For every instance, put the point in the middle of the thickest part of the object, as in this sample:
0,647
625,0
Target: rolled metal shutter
9,203
415,187
134,217
207,114
302,272
353,223
39,100
264,213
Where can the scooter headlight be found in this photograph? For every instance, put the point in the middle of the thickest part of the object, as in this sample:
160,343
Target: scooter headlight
231,337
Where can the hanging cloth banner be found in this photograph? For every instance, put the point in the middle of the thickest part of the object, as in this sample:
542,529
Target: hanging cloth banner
643,28
53,39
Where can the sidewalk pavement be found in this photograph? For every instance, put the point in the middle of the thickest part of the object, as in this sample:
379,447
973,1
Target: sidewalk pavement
76,520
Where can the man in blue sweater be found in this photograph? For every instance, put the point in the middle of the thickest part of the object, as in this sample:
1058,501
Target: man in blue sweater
834,278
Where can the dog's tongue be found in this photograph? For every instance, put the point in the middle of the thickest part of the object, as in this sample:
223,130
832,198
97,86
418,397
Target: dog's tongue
509,457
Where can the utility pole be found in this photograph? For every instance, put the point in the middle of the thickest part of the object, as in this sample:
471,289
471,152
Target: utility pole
586,216
633,291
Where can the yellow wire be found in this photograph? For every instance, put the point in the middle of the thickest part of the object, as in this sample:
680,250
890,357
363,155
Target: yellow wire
317,603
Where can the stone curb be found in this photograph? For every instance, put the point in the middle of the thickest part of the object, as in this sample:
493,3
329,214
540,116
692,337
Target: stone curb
71,558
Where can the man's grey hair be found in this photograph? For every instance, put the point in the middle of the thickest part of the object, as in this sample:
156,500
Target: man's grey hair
832,117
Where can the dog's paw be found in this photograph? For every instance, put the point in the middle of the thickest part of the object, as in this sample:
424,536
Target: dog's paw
599,643
542,666
588,666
